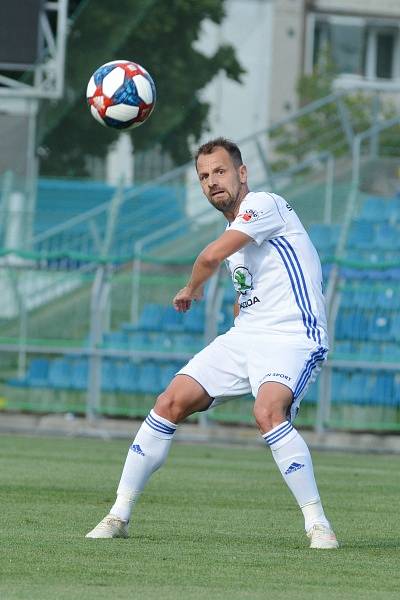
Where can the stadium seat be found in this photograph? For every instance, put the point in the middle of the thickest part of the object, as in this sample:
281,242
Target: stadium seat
374,209
361,235
387,237
168,372
126,376
187,343
80,374
108,375
115,339
151,317
172,320
380,327
149,378
60,373
193,320
325,237
393,210
38,372
36,375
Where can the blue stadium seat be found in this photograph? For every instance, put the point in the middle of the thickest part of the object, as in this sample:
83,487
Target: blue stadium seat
126,376
395,328
229,296
149,378
60,373
339,382
138,340
189,343
80,374
38,372
36,375
115,339
108,375
193,320
380,327
387,237
225,318
151,317
393,210
161,341
347,299
343,348
172,320
382,391
374,209
168,372
361,235
325,237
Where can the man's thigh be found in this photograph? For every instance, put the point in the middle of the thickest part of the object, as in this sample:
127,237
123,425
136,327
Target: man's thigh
289,360
183,397
221,367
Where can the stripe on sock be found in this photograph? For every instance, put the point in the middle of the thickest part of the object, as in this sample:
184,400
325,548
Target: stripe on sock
282,431
159,425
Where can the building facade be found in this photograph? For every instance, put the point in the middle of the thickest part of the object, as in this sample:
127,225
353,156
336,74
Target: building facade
277,41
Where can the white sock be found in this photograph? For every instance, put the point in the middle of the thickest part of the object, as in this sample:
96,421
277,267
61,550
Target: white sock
293,458
147,453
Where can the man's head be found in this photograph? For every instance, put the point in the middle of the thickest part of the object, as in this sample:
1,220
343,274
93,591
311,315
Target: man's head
222,174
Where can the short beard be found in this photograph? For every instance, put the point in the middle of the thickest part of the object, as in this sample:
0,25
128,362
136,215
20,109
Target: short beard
224,206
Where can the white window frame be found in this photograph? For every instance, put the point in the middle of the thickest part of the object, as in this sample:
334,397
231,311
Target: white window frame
369,79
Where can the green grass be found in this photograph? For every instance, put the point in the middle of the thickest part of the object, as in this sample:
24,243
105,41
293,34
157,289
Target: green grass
214,523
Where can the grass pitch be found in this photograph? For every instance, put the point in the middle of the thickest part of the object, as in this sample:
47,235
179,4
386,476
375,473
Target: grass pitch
213,524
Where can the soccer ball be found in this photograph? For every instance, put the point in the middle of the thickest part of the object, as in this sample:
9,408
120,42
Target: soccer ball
121,94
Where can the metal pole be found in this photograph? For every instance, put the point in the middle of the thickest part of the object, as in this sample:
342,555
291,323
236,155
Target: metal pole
330,170
95,359
374,143
136,272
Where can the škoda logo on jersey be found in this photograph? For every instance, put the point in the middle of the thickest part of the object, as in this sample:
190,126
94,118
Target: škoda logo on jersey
249,215
242,280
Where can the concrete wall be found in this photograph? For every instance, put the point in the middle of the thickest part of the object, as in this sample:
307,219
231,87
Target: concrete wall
239,110
287,57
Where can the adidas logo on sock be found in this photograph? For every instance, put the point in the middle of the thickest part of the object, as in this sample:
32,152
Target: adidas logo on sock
136,448
293,467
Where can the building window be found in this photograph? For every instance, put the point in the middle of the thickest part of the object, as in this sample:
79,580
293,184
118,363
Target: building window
354,46
386,42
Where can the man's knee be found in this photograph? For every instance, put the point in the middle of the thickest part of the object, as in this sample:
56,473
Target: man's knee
269,416
168,406
271,406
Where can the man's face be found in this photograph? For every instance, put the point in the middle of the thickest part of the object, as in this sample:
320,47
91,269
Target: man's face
221,181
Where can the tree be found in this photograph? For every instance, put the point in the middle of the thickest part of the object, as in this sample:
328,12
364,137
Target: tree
160,36
323,129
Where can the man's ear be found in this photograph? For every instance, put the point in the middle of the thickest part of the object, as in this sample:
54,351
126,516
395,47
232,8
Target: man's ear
243,173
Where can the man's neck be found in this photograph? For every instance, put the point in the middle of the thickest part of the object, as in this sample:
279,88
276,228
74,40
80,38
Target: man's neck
232,214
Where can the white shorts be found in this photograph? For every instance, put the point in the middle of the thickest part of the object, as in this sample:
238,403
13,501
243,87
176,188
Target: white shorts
238,362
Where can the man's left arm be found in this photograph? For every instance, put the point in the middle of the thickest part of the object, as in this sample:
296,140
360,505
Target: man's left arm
206,264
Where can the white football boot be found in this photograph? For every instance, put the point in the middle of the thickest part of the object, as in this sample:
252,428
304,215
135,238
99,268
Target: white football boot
322,537
109,527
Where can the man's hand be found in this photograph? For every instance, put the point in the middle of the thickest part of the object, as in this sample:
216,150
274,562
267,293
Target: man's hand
183,299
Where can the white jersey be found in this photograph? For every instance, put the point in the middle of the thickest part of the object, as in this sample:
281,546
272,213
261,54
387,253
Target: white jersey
278,275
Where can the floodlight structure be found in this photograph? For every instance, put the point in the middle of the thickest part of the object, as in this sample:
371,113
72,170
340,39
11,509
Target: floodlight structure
32,48
32,57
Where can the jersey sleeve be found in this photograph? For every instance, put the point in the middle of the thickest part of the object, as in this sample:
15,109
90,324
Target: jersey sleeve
260,218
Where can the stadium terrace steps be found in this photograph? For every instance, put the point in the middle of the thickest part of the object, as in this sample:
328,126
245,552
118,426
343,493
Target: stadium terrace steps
367,328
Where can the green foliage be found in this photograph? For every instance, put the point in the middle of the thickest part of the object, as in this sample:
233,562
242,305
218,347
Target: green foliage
160,36
324,129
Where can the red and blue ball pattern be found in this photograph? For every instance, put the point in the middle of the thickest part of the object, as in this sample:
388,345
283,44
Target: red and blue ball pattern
121,94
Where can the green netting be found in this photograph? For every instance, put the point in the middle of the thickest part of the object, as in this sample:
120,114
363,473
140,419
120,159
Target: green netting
62,322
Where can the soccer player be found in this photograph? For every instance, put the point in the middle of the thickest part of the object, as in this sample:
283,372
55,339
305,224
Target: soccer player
274,350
